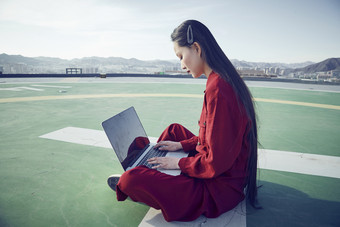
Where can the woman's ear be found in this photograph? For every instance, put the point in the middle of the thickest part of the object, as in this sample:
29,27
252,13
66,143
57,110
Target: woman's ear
197,48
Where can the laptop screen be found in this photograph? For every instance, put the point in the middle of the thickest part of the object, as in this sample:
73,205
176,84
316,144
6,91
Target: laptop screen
126,135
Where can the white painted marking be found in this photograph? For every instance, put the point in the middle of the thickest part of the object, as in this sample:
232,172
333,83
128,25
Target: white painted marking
311,164
83,136
233,218
50,86
318,165
20,89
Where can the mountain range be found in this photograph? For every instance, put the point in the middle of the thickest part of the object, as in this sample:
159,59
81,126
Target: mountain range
324,66
121,65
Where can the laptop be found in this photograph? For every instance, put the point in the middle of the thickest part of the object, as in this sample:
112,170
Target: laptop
131,144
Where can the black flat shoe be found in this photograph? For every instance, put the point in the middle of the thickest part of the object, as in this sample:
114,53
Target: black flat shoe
112,181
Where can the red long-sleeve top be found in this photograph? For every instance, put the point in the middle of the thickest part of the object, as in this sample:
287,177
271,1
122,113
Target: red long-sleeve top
216,174
222,141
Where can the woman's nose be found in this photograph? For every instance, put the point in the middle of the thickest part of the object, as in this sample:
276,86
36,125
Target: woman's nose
183,66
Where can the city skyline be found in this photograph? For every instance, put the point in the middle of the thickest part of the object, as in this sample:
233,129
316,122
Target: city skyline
259,31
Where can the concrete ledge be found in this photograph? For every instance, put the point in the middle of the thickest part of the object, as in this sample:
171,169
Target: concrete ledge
234,218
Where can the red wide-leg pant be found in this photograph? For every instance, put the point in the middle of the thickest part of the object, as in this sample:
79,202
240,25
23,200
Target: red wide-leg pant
181,198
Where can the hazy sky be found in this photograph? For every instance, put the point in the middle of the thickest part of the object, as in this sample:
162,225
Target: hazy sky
252,30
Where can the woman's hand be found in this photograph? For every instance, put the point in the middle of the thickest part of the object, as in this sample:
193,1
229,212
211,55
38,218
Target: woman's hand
169,146
164,162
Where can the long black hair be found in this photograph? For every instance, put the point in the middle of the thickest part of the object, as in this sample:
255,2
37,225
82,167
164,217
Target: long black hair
191,31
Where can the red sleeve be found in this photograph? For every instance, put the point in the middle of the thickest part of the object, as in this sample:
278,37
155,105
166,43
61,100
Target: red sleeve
189,144
223,137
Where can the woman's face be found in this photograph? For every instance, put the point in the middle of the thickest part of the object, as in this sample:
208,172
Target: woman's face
191,60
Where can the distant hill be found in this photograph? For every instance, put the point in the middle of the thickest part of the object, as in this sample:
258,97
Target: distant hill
95,61
15,59
76,62
324,66
22,64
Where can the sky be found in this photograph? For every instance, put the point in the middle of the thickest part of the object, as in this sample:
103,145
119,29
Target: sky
286,31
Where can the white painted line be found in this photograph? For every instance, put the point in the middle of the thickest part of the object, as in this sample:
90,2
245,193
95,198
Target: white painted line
318,165
233,218
50,86
311,164
20,89
82,136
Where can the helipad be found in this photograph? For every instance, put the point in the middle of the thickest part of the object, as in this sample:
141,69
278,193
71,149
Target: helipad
48,180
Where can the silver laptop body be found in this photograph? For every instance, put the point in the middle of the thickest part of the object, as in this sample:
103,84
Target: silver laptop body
130,142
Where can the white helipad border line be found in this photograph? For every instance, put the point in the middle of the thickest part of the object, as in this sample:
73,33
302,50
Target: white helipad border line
50,86
311,164
20,89
82,136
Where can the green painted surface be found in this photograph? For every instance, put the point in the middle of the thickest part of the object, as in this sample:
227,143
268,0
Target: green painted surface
53,183
291,199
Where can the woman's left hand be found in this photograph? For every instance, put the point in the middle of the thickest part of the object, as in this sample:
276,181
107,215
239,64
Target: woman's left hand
164,162
168,146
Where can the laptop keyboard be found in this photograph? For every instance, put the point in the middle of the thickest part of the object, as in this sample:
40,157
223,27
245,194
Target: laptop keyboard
152,153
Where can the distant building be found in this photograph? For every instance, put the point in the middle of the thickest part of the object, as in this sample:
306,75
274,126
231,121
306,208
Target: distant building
277,71
269,71
91,70
324,75
332,76
283,71
18,68
1,69
335,74
252,73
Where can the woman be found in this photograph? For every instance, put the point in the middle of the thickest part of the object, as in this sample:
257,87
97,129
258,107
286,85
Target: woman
222,161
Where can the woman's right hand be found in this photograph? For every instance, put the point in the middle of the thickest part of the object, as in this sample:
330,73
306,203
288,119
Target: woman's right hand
169,146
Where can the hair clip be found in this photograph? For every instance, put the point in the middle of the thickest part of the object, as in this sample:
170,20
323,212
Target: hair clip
190,35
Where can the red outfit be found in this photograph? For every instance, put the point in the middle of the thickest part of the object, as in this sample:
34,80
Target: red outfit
213,176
